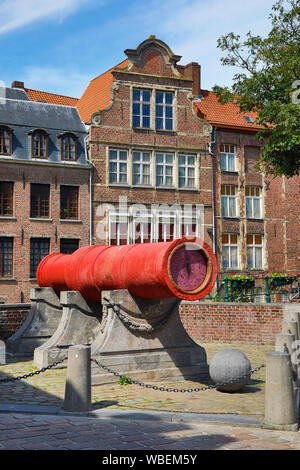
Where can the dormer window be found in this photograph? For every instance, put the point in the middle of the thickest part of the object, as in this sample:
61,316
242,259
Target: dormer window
5,140
68,146
39,143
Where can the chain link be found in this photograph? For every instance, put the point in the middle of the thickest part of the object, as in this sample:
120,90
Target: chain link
168,389
130,324
31,374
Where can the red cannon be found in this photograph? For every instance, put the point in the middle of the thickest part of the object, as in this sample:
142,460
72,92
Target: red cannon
185,268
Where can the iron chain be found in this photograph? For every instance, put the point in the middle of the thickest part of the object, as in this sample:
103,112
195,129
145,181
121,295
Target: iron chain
130,324
182,390
31,374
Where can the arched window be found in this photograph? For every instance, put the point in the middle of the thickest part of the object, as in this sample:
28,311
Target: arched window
68,146
5,140
39,143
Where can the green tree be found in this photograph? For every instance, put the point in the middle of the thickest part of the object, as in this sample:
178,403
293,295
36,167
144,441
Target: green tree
269,84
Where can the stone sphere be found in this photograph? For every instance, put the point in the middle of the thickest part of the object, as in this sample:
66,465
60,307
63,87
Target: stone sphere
229,364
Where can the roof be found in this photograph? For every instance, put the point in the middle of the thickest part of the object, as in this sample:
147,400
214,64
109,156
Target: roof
97,96
22,112
224,115
52,98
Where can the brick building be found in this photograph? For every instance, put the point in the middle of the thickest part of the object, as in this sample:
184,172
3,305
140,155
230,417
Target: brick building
44,187
152,178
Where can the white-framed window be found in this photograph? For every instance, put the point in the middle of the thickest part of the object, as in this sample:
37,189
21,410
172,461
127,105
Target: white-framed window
141,108
118,229
142,229
188,228
164,110
118,166
230,250
254,251
228,200
164,164
141,168
253,202
227,157
186,171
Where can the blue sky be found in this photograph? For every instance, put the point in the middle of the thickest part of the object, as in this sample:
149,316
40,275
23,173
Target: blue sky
60,45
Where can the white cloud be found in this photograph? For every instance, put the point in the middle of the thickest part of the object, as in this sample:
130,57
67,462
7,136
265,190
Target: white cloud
56,80
192,27
18,13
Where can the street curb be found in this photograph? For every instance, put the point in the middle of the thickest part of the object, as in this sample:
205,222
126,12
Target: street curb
229,419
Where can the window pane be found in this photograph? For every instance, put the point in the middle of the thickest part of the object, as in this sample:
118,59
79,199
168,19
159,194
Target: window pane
231,162
146,95
233,257
233,239
225,257
146,122
159,123
68,245
250,257
169,158
136,121
6,257
248,207
224,206
136,94
256,208
169,112
169,124
169,98
258,257
39,248
223,161
159,97
232,211
159,111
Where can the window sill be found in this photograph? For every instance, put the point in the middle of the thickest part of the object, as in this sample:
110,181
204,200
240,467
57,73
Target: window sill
76,221
226,217
229,172
255,219
189,189
8,217
172,188
119,185
8,279
39,219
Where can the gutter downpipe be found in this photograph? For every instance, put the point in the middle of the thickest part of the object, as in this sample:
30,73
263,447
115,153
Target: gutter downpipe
210,151
90,188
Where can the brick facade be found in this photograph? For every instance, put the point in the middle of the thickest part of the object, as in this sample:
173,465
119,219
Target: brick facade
151,67
22,228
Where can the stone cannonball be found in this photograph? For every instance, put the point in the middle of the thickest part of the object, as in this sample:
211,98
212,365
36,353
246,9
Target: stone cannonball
229,364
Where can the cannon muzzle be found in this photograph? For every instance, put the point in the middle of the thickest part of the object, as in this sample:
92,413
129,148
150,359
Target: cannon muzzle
185,268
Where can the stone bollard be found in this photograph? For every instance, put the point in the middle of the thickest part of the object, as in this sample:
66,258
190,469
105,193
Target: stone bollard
287,340
78,383
2,352
279,396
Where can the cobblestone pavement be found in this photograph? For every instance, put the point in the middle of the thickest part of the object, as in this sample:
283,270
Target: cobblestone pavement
129,417
25,431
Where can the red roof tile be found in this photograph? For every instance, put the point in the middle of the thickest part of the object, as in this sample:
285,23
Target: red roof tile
52,98
224,115
98,94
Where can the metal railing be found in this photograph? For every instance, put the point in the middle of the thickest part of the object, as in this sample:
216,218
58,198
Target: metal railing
246,289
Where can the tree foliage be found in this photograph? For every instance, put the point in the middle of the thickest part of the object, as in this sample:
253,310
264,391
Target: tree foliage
269,84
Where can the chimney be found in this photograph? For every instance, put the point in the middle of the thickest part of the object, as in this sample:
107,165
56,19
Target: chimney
17,84
193,72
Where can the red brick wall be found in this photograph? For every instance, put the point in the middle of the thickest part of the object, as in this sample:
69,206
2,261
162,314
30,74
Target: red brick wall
229,322
203,321
12,317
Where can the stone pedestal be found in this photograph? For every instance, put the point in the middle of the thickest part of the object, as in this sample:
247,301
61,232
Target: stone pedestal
40,324
146,341
79,325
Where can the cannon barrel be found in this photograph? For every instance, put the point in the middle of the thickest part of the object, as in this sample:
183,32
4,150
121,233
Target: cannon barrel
185,268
